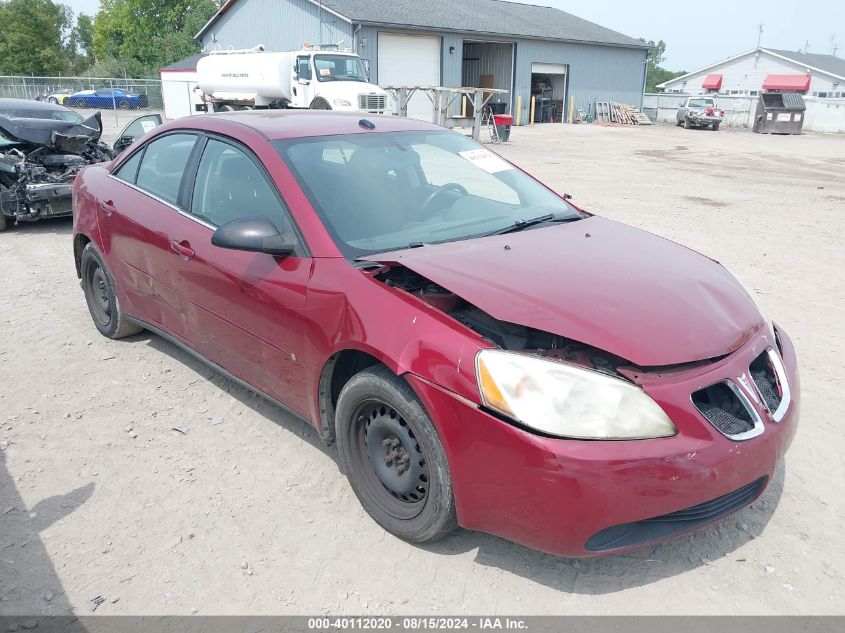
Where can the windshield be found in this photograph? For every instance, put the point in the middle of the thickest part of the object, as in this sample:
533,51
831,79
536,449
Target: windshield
339,68
52,115
701,103
384,191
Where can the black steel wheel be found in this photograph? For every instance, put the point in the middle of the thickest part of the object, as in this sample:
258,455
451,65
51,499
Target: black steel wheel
100,295
393,457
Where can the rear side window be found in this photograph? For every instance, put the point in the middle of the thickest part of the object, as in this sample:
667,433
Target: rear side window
163,165
129,170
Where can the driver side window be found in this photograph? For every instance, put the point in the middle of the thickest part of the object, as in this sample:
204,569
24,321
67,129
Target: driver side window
230,186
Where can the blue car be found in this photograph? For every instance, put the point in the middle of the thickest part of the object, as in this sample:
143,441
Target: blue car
107,98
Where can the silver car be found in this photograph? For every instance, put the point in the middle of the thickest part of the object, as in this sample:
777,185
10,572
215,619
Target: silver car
699,112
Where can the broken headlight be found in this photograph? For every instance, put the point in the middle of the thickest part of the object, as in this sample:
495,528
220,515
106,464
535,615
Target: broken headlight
567,401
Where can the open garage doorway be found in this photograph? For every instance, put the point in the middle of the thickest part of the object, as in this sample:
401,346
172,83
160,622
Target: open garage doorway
548,87
489,65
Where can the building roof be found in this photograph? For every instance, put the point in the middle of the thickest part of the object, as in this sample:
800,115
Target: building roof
187,64
471,16
825,64
829,64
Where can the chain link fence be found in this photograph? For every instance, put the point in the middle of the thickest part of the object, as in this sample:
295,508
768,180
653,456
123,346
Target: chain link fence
61,90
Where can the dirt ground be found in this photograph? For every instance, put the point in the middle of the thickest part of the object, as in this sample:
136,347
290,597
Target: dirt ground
133,474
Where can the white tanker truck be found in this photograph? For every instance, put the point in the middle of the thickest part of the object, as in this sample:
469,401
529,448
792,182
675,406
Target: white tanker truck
322,78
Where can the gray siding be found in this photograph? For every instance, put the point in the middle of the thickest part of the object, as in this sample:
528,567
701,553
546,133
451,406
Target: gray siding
603,73
280,26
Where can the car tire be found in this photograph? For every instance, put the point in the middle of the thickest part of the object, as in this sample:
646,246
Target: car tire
53,100
3,222
320,104
79,103
101,296
687,124
392,455
716,127
123,104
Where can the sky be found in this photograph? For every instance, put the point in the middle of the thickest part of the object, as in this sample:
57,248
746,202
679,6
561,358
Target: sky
717,29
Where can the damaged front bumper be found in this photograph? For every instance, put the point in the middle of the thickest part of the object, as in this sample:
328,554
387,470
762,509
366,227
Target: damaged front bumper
35,201
583,498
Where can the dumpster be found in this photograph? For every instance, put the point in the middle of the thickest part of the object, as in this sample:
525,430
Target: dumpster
779,113
503,123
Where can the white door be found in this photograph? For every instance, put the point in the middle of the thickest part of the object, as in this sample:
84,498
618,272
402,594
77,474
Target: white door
410,60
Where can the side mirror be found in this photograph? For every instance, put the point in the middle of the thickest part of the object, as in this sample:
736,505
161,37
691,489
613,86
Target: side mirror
257,235
681,104
122,143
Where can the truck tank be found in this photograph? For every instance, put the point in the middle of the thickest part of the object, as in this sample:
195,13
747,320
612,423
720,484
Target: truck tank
259,75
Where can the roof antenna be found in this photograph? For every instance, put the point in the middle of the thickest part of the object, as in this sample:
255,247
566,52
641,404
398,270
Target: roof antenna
759,38
833,46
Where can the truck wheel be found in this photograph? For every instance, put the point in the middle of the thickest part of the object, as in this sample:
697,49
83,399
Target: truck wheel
393,457
320,104
101,297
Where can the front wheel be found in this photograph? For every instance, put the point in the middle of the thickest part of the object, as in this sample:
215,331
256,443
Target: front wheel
3,222
320,104
101,297
123,105
80,103
716,127
393,457
53,100
687,124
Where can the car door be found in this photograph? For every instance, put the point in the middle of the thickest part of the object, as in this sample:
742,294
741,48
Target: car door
135,129
136,215
301,82
247,308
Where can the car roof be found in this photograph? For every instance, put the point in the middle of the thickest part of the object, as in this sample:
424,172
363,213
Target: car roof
30,104
283,124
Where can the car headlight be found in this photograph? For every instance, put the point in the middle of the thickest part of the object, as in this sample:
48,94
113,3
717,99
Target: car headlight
567,401
341,102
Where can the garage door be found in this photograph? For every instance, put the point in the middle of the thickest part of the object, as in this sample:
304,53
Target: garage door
410,60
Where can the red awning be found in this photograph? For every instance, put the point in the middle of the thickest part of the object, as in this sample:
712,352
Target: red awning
712,82
801,83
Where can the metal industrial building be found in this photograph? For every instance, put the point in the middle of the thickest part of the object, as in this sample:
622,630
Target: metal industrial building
763,69
521,48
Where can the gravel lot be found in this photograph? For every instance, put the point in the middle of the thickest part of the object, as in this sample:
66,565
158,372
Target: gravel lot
132,473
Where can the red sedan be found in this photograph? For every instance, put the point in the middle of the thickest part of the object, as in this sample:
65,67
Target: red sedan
484,353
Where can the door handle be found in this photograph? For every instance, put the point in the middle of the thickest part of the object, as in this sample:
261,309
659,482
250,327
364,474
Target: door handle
183,249
108,208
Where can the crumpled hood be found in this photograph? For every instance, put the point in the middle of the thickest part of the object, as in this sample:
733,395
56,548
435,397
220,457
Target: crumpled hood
599,282
61,136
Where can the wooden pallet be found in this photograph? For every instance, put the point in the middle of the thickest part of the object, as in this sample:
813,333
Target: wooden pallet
620,113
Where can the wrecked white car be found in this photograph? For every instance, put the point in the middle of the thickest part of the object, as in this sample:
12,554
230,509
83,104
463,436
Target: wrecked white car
42,147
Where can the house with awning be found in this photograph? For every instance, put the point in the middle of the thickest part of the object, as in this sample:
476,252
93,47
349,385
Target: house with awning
766,70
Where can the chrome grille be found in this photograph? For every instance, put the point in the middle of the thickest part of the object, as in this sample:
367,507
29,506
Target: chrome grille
769,377
371,102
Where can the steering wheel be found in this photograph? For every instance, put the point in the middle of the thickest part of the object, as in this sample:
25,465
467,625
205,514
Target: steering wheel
442,189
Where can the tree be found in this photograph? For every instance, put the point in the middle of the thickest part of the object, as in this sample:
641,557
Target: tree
33,36
152,33
656,73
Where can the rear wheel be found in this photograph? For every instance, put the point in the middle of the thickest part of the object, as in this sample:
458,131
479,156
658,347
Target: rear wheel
101,297
123,105
3,221
393,457
716,127
320,104
53,100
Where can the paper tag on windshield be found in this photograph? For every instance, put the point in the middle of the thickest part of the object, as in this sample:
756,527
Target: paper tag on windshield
147,126
486,160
